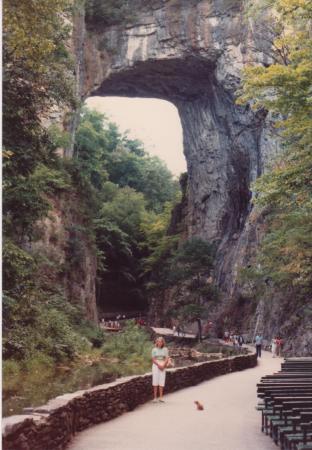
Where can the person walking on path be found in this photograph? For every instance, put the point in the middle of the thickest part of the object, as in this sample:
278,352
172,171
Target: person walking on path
160,358
273,347
258,345
279,344
240,341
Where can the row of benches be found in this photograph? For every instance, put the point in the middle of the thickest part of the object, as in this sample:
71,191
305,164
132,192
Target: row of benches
286,404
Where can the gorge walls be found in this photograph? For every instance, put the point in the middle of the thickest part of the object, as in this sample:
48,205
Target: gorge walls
190,53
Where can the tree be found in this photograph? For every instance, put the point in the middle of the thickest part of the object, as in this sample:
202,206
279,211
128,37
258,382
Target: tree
36,75
104,153
159,245
192,264
284,88
145,174
119,239
91,143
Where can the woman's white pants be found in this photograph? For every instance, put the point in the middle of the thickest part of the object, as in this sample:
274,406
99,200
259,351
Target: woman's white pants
159,376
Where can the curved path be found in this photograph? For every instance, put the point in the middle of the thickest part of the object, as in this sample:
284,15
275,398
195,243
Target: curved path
228,422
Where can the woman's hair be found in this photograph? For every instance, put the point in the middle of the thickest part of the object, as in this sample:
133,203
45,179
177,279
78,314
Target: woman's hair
160,339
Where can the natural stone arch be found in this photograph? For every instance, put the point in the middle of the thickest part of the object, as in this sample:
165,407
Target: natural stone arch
189,53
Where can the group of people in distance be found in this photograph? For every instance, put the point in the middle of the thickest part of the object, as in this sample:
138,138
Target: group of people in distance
115,324
140,321
178,330
276,346
236,339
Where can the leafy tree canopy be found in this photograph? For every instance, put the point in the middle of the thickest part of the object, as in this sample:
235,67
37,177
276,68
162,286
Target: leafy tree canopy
285,89
104,153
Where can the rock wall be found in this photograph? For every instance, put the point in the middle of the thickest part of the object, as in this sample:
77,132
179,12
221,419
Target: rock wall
191,53
69,261
52,426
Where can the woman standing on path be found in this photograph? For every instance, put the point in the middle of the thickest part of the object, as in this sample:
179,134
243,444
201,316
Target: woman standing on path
160,358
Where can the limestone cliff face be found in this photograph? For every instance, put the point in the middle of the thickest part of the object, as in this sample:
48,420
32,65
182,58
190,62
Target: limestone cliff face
191,52
69,261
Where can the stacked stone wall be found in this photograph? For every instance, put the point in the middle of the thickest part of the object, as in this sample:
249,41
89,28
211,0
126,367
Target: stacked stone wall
52,426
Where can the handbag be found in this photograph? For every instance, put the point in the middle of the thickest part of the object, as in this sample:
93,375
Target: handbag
170,363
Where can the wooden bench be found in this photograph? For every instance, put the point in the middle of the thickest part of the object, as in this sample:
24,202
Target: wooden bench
286,404
300,439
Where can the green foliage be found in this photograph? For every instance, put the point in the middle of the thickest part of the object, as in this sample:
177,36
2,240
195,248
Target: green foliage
10,369
23,205
18,267
75,246
37,362
194,258
286,252
148,175
117,184
192,311
46,325
92,333
31,173
103,153
180,266
131,190
36,75
126,210
159,245
191,265
59,137
49,180
90,149
285,193
132,345
119,238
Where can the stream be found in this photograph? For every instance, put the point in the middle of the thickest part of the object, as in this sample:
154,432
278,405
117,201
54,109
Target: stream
35,389
31,389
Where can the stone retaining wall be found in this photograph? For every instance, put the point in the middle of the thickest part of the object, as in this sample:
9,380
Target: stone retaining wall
52,426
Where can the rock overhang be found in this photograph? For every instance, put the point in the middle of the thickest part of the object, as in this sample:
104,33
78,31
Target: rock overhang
176,79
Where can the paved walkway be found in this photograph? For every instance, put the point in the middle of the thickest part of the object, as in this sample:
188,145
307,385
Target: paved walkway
169,332
229,421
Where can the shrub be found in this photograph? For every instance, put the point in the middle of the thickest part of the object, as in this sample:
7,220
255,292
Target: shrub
93,333
131,345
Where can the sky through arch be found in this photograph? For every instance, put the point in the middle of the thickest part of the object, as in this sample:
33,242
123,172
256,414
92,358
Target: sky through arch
155,122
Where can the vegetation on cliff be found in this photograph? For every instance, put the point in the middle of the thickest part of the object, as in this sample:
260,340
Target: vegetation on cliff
36,76
111,187
285,193
131,191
